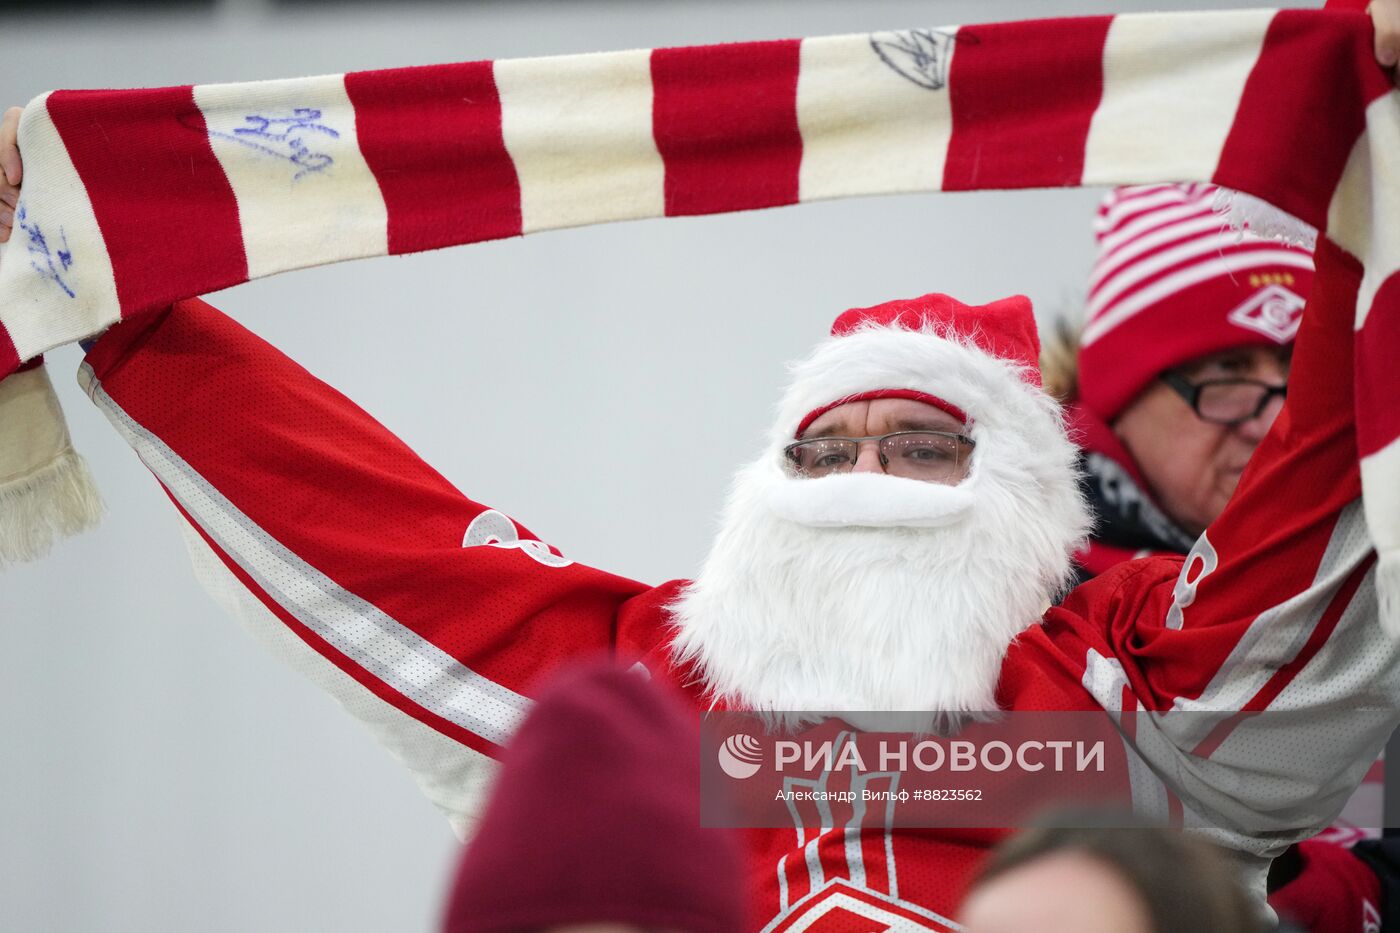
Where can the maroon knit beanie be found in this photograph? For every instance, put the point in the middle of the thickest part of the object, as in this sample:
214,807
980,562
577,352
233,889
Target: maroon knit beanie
595,817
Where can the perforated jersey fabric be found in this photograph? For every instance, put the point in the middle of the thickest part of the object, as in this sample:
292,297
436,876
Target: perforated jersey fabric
432,617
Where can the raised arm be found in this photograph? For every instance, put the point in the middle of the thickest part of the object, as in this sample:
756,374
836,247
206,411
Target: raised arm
427,615
1264,681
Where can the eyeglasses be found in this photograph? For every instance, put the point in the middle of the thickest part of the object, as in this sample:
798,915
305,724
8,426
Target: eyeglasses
931,456
1225,401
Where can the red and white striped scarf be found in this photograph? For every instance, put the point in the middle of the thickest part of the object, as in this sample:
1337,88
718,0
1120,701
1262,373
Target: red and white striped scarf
133,199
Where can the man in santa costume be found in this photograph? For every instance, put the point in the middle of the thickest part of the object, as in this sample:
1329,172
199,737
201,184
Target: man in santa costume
897,545
894,546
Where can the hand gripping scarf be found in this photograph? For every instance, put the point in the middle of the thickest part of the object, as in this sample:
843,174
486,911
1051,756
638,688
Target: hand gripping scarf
133,199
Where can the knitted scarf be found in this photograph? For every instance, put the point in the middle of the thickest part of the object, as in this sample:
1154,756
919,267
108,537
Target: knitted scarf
135,198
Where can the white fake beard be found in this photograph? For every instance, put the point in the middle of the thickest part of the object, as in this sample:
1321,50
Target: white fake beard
870,592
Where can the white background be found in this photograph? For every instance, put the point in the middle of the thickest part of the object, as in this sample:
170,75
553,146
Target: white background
157,771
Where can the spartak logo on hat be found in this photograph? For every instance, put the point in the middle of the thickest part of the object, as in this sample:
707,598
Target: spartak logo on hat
1274,311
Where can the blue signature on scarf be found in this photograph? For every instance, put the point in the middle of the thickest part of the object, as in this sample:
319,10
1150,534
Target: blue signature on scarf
285,138
41,257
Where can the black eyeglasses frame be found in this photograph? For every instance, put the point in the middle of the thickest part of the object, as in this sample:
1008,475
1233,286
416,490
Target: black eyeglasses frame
1191,393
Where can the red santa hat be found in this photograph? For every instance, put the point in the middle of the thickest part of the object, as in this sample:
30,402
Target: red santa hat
1004,330
1172,283
975,362
595,818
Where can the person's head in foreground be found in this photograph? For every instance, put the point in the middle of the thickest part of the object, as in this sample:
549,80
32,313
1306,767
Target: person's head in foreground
915,509
1084,873
593,825
1183,360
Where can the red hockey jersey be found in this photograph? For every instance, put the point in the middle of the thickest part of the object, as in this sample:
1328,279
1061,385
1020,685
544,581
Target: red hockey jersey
432,617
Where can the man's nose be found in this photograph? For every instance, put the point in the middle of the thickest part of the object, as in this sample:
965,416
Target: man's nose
868,460
1255,428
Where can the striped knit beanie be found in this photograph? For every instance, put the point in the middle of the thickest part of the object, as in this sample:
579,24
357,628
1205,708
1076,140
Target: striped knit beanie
1174,282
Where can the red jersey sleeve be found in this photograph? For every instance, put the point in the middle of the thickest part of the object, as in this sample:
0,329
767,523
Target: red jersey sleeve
428,615
1273,612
